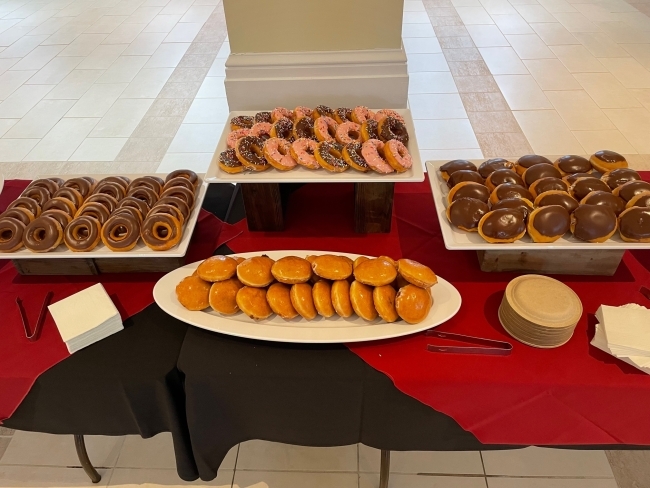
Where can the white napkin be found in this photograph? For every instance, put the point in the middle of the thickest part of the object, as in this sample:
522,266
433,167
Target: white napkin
627,329
86,317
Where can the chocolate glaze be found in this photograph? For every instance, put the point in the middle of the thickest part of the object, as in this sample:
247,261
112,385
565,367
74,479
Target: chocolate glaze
145,194
38,193
353,151
183,173
606,198
82,234
95,210
229,158
609,156
104,199
635,223
391,128
643,200
344,115
571,179
121,231
330,152
467,212
28,203
109,188
249,149
323,110
472,190
583,186
123,181
59,215
132,211
551,221
464,175
502,176
509,190
593,222
243,121
304,128
42,234
531,160
539,171
159,228
631,188
71,194
141,205
144,181
284,129
166,209
494,164
19,213
11,234
563,199
50,185
263,117
514,203
179,203
179,192
457,165
60,203
372,128
573,164
549,183
82,185
504,223
619,177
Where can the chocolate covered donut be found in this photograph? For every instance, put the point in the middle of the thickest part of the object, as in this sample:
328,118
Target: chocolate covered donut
123,181
322,111
71,194
229,163
639,200
353,157
250,153
628,190
104,199
241,122
521,204
263,117
82,234
282,128
179,181
18,213
549,223
180,192
167,209
11,234
50,185
154,184
525,162
179,203
555,197
184,173
132,211
142,206
27,203
59,215
510,190
449,168
145,194
572,164
60,203
583,186
617,204
605,161
571,179
83,185
619,177
634,224
593,223
95,210
469,189
502,176
329,156
43,234
161,232
502,226
466,213
547,184
494,164
37,193
121,232
464,175
343,114
390,128
539,171
115,190
304,128
369,130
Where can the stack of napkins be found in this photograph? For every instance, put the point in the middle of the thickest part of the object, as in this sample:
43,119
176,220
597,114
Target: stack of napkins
624,332
86,317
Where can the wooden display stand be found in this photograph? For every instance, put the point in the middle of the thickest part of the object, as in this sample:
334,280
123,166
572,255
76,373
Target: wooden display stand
90,266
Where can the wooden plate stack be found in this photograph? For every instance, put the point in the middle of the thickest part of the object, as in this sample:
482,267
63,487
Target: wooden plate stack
540,311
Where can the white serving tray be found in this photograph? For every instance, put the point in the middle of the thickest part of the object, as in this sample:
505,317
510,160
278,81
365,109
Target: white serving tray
446,302
139,251
303,175
456,239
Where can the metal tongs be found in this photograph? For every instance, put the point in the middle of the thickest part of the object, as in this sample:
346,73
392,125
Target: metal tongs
490,347
41,317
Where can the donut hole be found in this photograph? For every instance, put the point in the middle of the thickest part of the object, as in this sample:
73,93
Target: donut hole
6,235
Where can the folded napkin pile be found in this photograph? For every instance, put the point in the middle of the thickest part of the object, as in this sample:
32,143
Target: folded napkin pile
624,332
86,317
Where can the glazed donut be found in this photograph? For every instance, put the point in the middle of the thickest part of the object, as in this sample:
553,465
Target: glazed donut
371,154
352,156
348,132
59,215
449,168
525,162
132,211
341,298
50,185
180,192
634,224
375,272
502,226
391,128
95,210
144,193
360,114
282,128
37,193
556,197
193,293
343,115
593,223
123,181
413,303
262,130
501,176
278,297
325,129
278,153
229,163
605,161
466,213
167,209
570,164
82,185
369,130
383,298
322,111
27,203
108,188
281,113
619,177
43,234
362,302
397,155
304,128
161,232
291,270
328,155
121,232
71,194
235,135
217,268
241,122
303,150
416,273
548,184
384,112
469,189
179,181
321,292
300,112
19,213
142,206
464,175
82,234
548,224
11,234
263,117
179,203
61,203
183,173
152,182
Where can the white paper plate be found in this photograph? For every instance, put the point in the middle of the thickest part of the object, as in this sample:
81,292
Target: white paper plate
139,251
456,239
304,175
446,302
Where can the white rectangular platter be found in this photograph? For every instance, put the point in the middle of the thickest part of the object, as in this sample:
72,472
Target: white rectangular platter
456,239
304,175
139,251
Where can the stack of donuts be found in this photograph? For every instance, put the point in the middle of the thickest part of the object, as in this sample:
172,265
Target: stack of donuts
82,212
592,198
326,285
335,140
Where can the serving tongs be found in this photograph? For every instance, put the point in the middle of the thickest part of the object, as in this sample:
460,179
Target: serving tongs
33,336
489,347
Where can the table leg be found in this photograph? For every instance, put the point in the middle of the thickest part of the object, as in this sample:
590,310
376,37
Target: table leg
384,470
89,469
263,205
373,207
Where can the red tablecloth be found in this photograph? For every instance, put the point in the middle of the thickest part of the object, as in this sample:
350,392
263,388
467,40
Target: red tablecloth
21,361
575,394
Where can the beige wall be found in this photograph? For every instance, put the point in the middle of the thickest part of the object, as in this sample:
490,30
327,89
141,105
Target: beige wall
263,26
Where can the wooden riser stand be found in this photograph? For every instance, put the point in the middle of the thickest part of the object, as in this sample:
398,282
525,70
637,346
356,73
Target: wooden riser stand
89,266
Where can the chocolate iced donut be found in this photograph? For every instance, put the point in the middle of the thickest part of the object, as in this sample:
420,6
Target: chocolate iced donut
50,185
390,128
142,206
18,213
549,223
27,203
241,122
322,111
522,204
152,183
123,181
449,168
617,204
634,224
502,226
108,188
369,130
59,215
539,171
121,232
571,179
11,234
619,177
492,165
468,189
464,175
37,193
352,156
263,117
169,210
82,234
250,152
605,161
510,190
466,213
304,128
630,189
555,197
104,199
329,156
82,185
229,163
593,223
179,203
583,186
570,164
60,203
501,176
525,162
282,128
71,194
161,231
547,184
180,181
132,211
184,173
639,200
95,210
342,115
43,234
179,192
145,194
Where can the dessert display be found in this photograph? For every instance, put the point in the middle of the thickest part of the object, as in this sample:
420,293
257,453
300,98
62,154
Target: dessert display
82,212
325,285
320,138
505,200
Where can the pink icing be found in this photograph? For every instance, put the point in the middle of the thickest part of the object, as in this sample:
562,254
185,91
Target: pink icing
361,113
321,126
400,153
304,151
281,112
370,152
382,114
279,150
300,112
260,129
343,132
235,135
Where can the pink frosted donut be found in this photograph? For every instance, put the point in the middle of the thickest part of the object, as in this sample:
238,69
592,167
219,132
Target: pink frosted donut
360,114
397,155
261,129
278,153
370,152
348,132
303,151
235,135
281,113
386,112
299,112
325,128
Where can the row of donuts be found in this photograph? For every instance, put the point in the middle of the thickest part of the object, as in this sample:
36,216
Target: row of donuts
332,139
325,285
81,212
593,198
